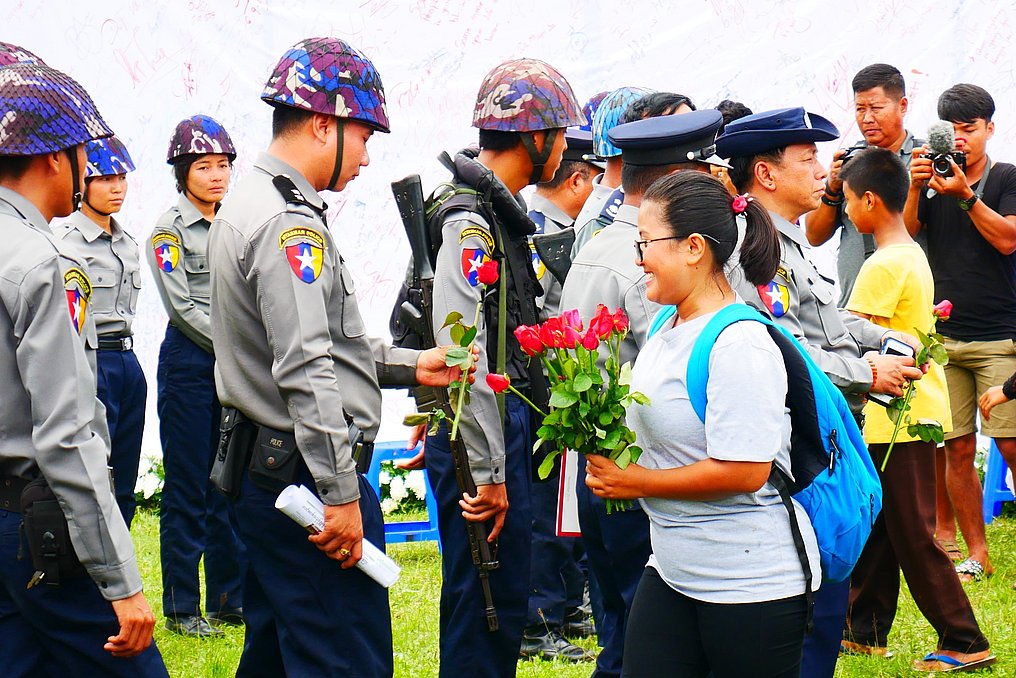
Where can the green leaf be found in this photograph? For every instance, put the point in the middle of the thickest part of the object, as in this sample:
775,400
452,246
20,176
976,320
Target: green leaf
468,337
939,354
583,409
600,433
640,398
921,357
547,433
435,425
452,318
624,378
415,419
562,398
547,465
583,382
612,439
622,460
553,418
456,332
937,337
458,355
925,339
635,452
605,418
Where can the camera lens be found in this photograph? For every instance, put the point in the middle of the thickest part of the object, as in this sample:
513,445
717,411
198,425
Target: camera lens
941,166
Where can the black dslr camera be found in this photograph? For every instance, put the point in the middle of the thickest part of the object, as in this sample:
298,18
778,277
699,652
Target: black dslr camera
940,162
852,151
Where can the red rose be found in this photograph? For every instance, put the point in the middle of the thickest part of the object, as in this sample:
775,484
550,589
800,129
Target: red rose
602,323
552,333
590,341
487,272
943,309
529,339
621,323
571,337
572,319
498,382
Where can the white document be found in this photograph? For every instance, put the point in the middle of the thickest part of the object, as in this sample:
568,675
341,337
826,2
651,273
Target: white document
303,506
567,498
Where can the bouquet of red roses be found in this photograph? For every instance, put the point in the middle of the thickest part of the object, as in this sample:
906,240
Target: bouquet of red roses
587,405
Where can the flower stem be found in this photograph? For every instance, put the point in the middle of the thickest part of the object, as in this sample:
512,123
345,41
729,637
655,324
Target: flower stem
526,400
464,385
899,423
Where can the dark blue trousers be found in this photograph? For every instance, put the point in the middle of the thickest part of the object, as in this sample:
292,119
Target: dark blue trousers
57,631
305,615
467,647
822,645
618,549
123,389
555,580
194,518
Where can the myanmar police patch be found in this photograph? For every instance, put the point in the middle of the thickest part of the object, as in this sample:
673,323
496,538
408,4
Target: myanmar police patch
167,251
305,249
776,297
79,290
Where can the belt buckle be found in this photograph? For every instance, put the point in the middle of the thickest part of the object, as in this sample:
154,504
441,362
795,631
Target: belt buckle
127,343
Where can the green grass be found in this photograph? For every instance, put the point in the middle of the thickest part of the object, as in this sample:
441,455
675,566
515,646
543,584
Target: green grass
414,606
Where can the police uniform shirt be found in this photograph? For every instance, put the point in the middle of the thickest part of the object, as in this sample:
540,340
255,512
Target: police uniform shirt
585,226
284,303
605,272
178,256
802,300
549,218
114,268
50,418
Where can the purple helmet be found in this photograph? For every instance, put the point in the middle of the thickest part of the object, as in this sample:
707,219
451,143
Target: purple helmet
526,95
328,75
12,54
107,157
200,135
589,110
44,111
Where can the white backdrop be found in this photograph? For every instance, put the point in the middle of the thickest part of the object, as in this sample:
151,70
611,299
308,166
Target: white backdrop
150,64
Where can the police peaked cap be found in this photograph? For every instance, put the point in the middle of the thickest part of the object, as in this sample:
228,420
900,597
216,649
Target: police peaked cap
580,146
769,130
670,139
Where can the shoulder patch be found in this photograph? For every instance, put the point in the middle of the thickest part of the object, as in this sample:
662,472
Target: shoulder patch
304,248
472,259
478,232
167,250
538,264
79,290
776,296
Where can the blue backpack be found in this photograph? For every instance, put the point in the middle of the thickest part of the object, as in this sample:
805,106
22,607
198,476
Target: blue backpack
834,479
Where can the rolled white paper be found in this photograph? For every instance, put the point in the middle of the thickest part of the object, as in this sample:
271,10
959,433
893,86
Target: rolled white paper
303,506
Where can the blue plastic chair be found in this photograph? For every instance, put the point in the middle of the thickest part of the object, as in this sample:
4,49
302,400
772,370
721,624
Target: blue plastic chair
995,490
410,530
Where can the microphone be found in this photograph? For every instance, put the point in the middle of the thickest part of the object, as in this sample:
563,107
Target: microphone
941,141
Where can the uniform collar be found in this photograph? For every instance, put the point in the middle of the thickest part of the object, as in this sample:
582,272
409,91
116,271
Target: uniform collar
542,204
274,167
627,215
792,231
188,212
18,205
90,230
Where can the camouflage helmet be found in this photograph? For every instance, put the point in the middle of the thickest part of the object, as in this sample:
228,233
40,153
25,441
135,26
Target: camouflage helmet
589,110
107,157
12,54
526,95
199,135
608,115
328,75
45,111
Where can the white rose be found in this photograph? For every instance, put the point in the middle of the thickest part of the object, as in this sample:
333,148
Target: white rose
397,488
417,482
150,484
388,506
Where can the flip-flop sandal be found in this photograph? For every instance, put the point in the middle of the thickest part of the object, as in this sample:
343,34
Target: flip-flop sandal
972,569
943,663
849,647
951,549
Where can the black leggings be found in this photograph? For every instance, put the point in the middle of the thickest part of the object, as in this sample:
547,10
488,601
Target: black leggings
670,634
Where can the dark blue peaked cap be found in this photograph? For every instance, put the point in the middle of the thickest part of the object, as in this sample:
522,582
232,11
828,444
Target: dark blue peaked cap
670,139
769,130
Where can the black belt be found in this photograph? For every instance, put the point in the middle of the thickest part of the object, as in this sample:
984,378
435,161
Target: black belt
116,343
11,488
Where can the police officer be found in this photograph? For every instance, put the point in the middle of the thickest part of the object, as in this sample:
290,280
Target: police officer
114,268
522,109
193,519
54,429
300,368
605,272
12,54
773,155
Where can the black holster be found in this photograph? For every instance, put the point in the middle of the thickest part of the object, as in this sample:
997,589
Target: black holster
45,530
236,438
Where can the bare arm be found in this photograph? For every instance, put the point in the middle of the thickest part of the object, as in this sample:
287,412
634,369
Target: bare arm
705,480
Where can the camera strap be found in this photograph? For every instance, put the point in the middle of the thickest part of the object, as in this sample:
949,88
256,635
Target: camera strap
984,179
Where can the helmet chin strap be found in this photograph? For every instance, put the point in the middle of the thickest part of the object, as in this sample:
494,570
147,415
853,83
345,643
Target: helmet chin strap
72,156
339,134
539,158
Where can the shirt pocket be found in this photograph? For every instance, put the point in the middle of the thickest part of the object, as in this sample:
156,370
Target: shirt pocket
352,323
104,283
196,266
825,297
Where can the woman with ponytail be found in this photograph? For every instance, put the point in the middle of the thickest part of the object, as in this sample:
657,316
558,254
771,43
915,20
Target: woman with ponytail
723,592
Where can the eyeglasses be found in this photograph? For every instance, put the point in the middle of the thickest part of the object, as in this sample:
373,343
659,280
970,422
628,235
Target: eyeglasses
640,245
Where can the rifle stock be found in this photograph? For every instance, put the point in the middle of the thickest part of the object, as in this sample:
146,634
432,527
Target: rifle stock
417,313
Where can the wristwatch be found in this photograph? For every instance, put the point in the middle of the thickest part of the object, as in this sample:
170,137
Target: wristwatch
965,205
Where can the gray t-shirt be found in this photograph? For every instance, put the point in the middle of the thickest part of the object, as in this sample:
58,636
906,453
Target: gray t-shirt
738,549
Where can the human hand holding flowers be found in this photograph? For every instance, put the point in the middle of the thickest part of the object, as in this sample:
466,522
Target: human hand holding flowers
608,481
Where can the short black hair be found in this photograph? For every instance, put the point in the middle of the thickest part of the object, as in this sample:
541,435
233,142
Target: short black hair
731,111
13,167
885,76
181,168
494,140
286,119
742,169
654,105
636,179
880,171
966,103
566,169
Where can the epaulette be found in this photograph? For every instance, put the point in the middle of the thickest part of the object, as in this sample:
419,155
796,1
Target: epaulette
285,186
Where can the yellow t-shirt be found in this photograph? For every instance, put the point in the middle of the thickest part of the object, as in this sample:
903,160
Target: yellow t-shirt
895,287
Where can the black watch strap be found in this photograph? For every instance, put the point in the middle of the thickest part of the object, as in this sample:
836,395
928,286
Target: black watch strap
967,204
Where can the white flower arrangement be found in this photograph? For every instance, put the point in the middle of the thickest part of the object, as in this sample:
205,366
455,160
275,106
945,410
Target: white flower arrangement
402,491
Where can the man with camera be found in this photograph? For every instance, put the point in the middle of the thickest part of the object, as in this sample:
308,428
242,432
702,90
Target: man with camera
880,104
968,210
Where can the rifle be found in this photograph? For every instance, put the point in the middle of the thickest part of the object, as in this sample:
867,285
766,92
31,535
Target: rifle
417,313
554,250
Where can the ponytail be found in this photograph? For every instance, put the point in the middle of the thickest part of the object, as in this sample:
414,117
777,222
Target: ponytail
760,249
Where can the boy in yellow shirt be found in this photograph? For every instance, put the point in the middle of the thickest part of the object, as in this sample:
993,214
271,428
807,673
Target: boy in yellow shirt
895,289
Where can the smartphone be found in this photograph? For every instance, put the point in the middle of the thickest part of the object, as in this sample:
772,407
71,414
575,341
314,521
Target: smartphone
891,347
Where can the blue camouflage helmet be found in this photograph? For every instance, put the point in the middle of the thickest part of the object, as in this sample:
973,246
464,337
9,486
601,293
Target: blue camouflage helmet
199,135
608,115
526,95
329,76
107,157
589,110
45,111
12,54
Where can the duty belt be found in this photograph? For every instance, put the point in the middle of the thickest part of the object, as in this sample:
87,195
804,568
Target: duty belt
112,343
10,493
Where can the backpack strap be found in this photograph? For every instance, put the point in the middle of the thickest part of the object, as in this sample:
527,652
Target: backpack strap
660,320
779,480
